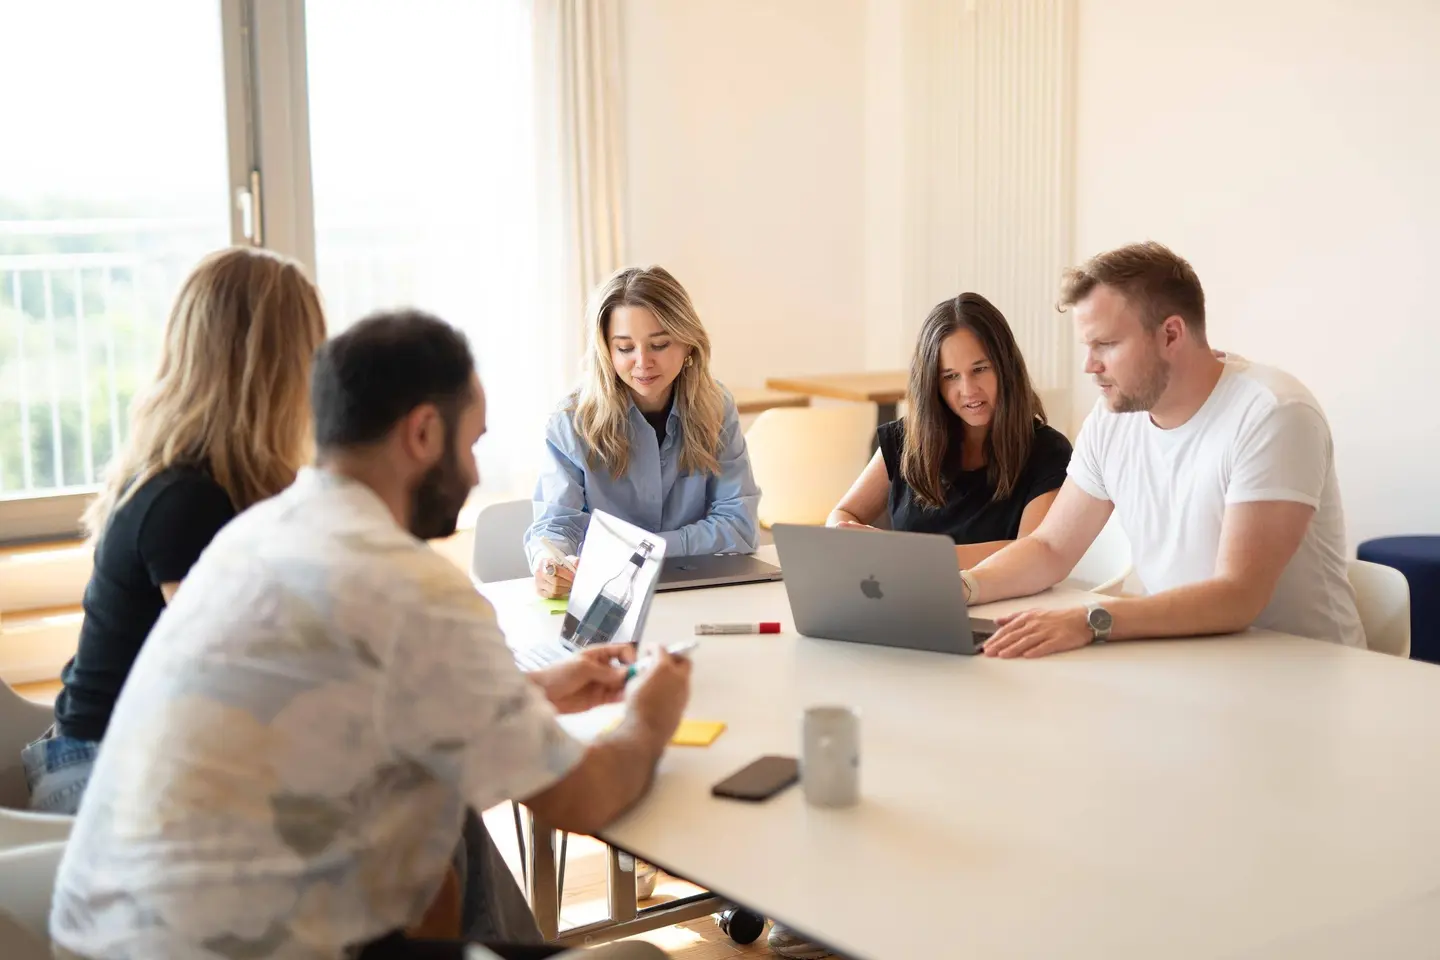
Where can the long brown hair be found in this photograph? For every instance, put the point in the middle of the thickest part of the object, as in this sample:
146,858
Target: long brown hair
930,423
231,392
602,404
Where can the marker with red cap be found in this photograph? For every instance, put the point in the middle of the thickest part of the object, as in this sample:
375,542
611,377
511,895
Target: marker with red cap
715,629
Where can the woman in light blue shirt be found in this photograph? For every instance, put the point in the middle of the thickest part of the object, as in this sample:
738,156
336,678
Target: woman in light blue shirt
649,437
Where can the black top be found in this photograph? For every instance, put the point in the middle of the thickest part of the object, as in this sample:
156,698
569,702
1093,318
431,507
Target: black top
154,537
969,514
659,419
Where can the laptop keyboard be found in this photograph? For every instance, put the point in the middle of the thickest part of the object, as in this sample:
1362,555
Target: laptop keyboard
538,657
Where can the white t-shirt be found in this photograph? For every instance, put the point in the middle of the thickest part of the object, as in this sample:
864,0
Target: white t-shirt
1259,436
287,767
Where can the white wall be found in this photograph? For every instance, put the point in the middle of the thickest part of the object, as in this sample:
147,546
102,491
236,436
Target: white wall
745,173
1291,150
888,337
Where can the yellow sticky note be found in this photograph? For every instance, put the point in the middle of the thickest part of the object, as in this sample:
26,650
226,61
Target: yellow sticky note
690,733
555,606
697,733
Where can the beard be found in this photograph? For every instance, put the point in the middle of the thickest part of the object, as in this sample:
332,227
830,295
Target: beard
1153,381
437,500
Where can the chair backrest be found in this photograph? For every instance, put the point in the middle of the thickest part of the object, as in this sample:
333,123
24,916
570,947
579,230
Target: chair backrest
21,721
21,828
27,881
1106,564
499,551
806,458
1382,595
18,943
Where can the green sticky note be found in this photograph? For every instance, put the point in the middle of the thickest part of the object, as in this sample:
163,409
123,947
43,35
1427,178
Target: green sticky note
555,606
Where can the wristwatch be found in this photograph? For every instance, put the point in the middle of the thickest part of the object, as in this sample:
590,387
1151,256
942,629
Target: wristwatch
1098,619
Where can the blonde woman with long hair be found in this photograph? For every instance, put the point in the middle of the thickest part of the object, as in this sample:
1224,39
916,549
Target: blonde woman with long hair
225,424
649,436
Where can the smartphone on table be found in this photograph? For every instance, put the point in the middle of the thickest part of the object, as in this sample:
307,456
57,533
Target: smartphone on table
760,780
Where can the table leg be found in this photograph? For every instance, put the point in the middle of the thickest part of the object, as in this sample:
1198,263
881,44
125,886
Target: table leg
544,884
625,920
621,886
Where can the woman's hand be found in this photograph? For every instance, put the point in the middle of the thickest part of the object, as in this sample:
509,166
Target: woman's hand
553,579
854,525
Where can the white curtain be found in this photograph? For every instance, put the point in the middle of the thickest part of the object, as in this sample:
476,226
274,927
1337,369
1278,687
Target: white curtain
580,129
478,176
431,190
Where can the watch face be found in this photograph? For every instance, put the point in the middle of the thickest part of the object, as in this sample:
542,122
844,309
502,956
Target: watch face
1100,619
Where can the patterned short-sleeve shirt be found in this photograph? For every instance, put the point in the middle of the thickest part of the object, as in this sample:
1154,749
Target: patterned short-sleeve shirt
288,765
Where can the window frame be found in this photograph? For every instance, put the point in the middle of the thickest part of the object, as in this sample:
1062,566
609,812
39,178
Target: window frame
268,145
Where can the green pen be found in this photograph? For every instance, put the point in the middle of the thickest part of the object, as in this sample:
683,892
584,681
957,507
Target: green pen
640,666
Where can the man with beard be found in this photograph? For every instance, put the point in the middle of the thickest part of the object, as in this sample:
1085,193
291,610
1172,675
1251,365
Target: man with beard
1220,471
289,764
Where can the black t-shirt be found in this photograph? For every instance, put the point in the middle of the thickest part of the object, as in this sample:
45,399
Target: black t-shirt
659,419
969,514
154,537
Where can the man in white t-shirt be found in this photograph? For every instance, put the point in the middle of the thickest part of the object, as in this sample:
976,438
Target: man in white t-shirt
287,768
1221,473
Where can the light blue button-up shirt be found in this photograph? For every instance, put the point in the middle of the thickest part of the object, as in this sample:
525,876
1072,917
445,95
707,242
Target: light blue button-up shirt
695,513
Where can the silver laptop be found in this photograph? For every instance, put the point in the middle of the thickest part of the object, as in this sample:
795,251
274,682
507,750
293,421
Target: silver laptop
619,566
719,570
868,586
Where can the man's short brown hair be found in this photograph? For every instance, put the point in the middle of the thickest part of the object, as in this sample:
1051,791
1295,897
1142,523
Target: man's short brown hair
1151,276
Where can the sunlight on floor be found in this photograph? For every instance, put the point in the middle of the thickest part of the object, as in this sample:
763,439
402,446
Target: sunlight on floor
671,939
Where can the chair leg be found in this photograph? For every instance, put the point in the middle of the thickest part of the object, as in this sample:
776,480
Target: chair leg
520,839
560,885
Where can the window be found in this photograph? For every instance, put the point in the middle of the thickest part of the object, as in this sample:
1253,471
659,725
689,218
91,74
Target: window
423,161
112,183
142,126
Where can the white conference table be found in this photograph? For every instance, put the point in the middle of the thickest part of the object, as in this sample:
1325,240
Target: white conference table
1256,796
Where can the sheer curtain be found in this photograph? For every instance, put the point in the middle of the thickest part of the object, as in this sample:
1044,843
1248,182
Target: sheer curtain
466,160
580,139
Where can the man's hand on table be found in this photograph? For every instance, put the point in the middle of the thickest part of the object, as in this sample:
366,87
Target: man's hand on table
1039,633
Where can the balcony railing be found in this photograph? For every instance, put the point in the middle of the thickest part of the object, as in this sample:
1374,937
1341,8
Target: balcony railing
82,306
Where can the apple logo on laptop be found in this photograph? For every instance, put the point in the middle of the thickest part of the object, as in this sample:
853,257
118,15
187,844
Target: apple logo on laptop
871,588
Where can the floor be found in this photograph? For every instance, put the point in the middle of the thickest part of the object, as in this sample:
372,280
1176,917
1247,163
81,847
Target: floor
585,897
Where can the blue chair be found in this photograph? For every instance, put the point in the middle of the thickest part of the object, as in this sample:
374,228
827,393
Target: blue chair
1419,559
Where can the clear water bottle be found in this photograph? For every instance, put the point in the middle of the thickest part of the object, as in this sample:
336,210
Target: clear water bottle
608,609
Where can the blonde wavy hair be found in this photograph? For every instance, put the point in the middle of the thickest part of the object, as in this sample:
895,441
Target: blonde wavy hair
602,404
231,392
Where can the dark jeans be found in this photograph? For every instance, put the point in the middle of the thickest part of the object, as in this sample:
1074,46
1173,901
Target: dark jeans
496,915
495,910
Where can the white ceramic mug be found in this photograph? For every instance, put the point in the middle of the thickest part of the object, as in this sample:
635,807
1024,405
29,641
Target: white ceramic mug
830,757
